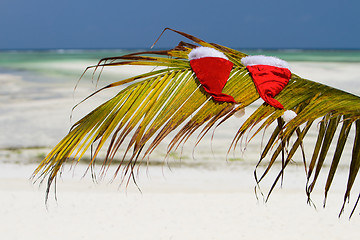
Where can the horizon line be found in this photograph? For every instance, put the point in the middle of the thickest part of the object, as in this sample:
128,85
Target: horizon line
164,48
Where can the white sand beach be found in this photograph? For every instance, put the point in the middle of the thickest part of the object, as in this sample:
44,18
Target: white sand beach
187,203
205,197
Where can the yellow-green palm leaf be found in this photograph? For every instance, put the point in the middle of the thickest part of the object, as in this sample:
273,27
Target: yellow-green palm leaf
171,99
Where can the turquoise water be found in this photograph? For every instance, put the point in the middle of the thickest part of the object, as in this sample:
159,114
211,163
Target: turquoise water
16,59
11,58
66,65
311,55
53,65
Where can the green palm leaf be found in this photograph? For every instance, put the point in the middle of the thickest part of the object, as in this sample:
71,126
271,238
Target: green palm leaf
171,98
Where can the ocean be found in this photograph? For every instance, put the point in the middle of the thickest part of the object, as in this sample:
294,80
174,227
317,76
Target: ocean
19,59
59,64
10,57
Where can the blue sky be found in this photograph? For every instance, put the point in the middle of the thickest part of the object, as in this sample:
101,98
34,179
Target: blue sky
43,24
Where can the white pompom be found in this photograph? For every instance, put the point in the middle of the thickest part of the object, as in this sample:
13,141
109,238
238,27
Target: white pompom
289,115
240,113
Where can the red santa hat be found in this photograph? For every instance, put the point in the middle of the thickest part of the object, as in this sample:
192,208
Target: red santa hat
270,76
212,68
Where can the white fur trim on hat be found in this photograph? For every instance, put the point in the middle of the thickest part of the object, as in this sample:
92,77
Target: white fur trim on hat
264,60
201,52
288,115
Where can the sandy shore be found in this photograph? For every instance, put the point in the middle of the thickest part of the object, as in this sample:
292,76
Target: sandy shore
204,198
187,203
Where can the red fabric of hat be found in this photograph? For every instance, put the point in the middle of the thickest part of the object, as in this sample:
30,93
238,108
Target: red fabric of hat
213,73
269,81
212,68
270,75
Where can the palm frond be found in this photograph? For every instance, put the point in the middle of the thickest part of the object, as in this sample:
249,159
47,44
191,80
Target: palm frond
171,99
